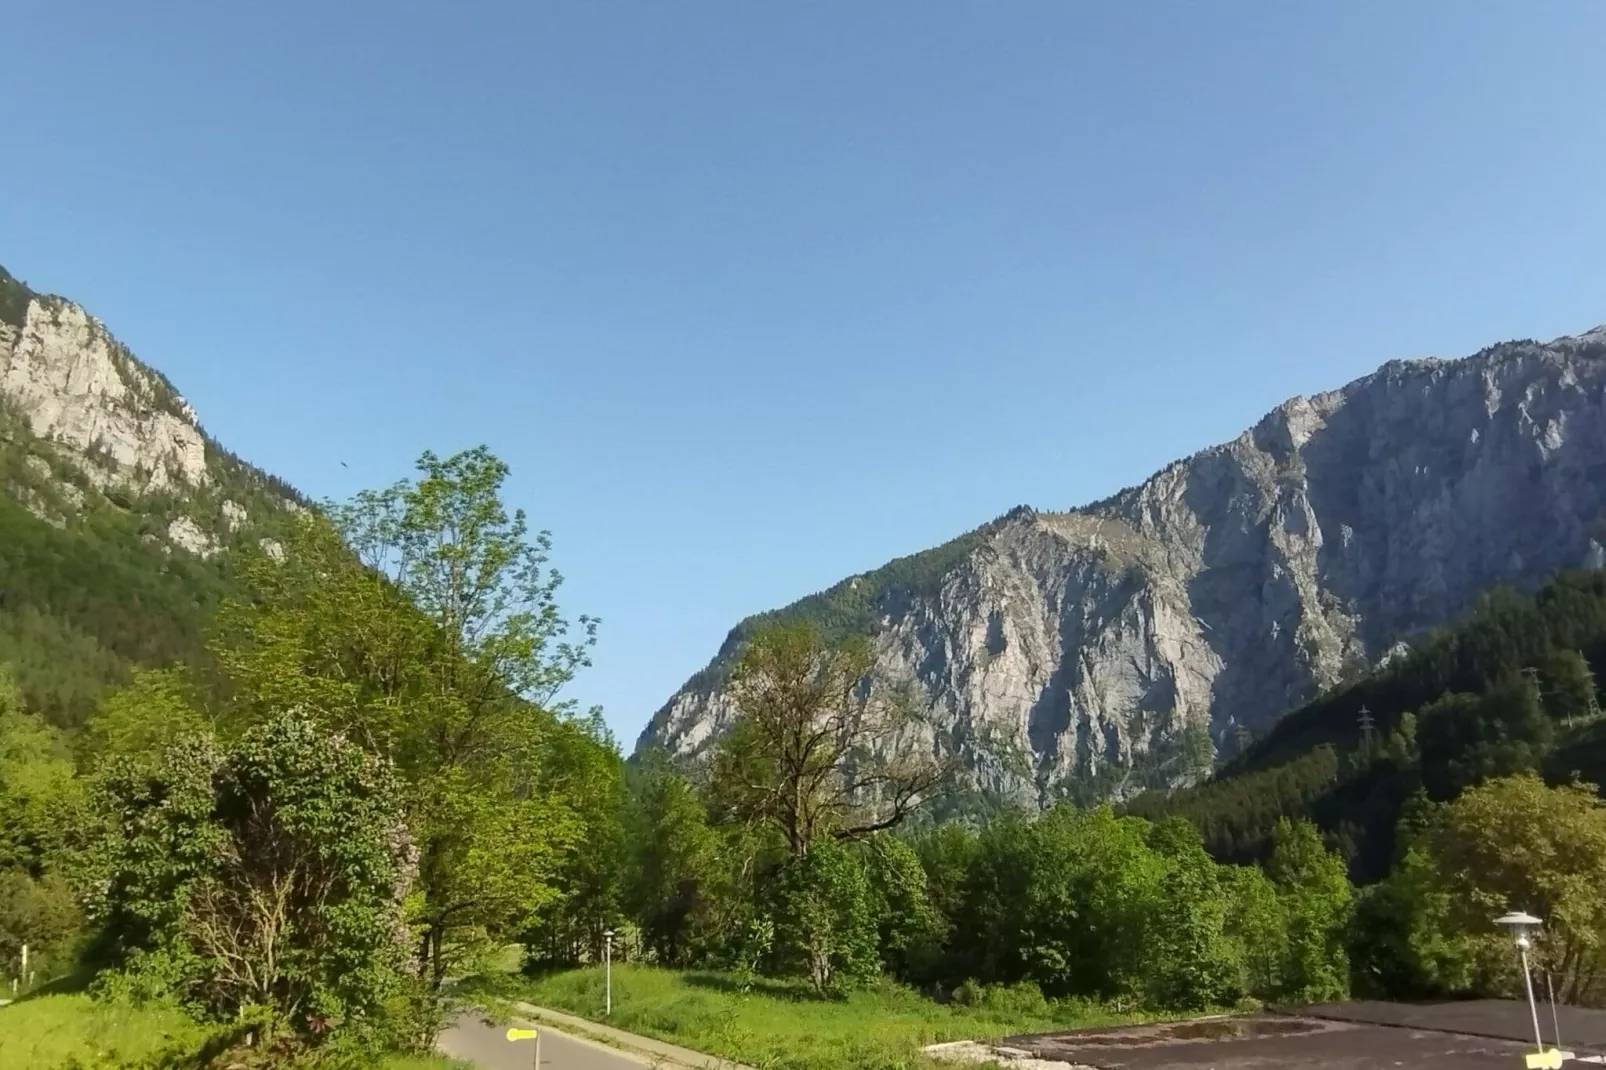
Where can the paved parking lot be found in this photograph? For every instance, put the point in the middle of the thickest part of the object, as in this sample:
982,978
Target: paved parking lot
1350,1036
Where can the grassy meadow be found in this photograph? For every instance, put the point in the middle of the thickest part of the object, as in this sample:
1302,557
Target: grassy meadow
782,1026
76,1032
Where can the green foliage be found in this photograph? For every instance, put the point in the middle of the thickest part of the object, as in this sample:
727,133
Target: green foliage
1507,844
1064,901
1317,899
143,720
813,753
1190,961
434,647
910,930
270,875
39,797
1256,926
824,914
677,860
41,914
1465,739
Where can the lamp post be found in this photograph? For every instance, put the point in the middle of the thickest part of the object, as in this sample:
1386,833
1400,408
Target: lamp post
1521,927
607,972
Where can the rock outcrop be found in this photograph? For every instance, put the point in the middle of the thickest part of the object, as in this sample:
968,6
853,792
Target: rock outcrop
78,387
1123,642
95,429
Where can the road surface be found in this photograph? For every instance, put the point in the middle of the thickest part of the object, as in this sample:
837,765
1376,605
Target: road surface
487,1047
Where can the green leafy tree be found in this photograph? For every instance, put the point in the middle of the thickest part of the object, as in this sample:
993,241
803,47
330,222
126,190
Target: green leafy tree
156,709
1512,843
42,915
677,862
1465,739
910,930
1063,901
581,765
440,645
1256,925
1189,960
269,876
814,752
1317,898
824,916
39,797
1568,686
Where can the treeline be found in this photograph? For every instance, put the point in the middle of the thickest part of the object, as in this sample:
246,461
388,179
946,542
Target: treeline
1511,688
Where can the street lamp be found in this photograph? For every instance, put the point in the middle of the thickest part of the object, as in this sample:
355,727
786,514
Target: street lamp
607,972
1522,926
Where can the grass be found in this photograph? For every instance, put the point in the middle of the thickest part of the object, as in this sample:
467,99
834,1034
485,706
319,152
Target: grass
782,1026
76,1032
48,1032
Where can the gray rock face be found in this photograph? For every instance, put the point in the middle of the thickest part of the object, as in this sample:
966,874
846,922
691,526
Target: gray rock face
98,430
78,387
1234,584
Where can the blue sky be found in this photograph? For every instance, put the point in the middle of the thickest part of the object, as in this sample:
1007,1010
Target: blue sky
755,296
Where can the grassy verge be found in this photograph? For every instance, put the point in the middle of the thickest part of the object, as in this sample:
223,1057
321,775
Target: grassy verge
75,1032
782,1026
60,1031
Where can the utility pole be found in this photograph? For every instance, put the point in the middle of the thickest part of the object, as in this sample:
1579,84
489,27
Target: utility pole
1245,737
1368,729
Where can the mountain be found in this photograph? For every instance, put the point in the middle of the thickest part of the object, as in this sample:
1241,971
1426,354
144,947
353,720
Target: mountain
118,513
1127,643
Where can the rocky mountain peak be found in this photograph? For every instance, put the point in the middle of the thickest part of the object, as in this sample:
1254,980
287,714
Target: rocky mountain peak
1130,641
77,386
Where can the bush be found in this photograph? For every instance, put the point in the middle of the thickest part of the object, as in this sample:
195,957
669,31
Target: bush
267,877
825,921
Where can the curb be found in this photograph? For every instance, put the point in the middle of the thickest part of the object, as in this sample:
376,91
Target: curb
654,1052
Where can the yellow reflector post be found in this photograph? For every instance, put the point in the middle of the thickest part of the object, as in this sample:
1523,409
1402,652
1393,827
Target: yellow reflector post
529,1034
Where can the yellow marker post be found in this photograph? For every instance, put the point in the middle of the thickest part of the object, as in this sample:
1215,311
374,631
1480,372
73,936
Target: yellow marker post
528,1034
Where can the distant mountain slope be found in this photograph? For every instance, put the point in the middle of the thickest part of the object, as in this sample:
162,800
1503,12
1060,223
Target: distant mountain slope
1511,686
117,511
1117,645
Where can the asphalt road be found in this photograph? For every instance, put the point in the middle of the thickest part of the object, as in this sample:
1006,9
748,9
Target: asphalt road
487,1047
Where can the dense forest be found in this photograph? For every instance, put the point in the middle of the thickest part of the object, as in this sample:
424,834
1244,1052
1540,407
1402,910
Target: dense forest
349,783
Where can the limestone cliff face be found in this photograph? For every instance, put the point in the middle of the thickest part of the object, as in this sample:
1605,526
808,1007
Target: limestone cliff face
78,387
1101,644
98,429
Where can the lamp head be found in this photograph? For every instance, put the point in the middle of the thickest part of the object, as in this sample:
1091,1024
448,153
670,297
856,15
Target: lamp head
1521,926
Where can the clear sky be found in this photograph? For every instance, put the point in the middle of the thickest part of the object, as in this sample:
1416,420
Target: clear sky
754,296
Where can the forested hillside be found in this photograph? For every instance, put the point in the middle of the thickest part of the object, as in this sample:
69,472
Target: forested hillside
1511,687
102,566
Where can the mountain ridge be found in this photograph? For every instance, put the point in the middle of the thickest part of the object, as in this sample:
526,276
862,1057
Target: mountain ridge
118,512
1123,607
